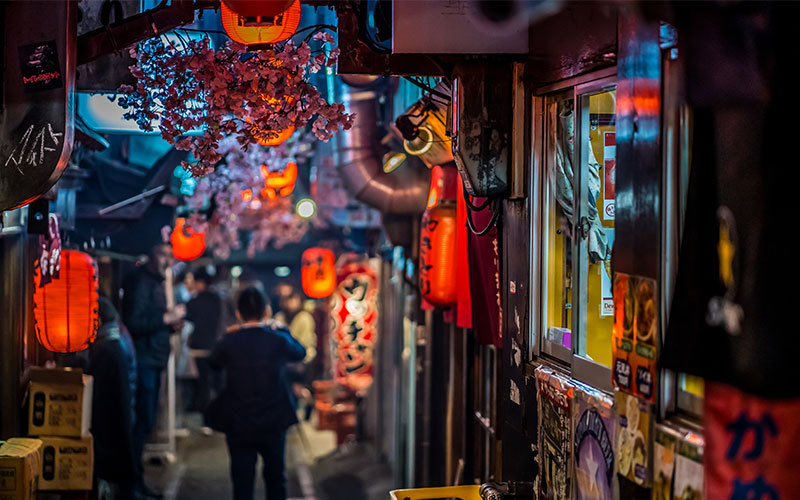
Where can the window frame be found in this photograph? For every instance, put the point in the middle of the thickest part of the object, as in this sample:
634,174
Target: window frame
579,367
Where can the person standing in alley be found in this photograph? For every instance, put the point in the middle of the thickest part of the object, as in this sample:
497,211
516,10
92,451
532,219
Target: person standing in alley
150,324
205,311
112,430
256,407
303,328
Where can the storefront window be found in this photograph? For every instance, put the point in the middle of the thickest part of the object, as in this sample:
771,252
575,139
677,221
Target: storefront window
578,228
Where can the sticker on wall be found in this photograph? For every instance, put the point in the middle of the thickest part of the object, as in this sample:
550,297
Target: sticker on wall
689,468
594,426
634,418
555,443
664,449
752,447
635,335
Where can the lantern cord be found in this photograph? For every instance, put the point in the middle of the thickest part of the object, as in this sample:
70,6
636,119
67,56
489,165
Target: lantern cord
473,207
427,88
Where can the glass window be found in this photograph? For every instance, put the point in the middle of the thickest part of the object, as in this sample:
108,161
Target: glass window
578,227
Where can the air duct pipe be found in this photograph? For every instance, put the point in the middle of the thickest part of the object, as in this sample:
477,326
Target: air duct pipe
360,163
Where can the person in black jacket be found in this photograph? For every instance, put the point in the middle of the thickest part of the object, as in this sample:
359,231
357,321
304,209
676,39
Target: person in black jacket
256,405
111,404
144,312
206,312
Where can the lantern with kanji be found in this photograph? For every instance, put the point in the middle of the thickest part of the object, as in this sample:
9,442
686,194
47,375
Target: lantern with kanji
437,255
258,8
260,25
186,243
65,309
318,273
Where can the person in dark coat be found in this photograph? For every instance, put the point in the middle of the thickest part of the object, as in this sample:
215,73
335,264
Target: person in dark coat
144,312
257,404
206,312
111,404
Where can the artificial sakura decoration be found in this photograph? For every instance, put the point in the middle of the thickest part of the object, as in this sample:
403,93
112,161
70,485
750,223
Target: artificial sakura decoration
229,92
234,190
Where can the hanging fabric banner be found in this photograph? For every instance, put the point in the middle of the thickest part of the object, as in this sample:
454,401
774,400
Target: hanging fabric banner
354,321
752,447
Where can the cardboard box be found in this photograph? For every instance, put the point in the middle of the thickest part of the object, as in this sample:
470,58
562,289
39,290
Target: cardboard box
67,464
60,402
20,463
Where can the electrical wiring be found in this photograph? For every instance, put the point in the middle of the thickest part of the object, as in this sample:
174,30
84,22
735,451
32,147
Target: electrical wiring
477,208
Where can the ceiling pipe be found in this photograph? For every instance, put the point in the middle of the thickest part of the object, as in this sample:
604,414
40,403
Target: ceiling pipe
360,163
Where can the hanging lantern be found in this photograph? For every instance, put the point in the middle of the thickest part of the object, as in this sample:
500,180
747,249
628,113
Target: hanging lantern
279,183
279,139
65,309
258,8
318,273
262,28
437,256
186,243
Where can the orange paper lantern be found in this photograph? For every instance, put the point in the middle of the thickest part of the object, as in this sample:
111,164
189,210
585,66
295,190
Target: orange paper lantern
279,139
258,7
186,243
65,309
437,256
279,183
266,27
318,273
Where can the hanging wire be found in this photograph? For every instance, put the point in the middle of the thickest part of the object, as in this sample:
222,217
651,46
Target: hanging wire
427,88
477,208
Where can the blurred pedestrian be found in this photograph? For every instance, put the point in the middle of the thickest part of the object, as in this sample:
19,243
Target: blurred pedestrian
145,314
256,407
302,326
111,405
206,312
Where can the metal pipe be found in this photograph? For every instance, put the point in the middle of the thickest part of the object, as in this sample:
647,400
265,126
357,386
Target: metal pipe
360,164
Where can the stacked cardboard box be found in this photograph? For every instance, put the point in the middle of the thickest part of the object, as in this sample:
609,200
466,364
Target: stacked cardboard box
60,415
20,463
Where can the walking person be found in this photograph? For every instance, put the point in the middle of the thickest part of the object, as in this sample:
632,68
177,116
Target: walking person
109,364
150,324
205,311
256,407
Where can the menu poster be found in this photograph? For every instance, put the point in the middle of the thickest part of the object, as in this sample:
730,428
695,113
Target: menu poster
635,334
689,468
751,447
664,449
634,421
594,426
555,413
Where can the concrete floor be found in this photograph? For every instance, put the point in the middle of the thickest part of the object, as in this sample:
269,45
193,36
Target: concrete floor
317,470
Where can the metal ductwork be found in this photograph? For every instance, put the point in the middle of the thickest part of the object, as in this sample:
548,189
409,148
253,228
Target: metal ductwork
359,159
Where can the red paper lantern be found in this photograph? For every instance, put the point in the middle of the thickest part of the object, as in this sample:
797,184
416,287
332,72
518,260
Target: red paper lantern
279,139
65,309
318,272
258,7
262,28
186,243
437,256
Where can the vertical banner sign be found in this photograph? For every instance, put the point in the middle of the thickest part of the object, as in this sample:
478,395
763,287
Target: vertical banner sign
753,446
354,318
635,347
609,169
634,419
594,421
555,443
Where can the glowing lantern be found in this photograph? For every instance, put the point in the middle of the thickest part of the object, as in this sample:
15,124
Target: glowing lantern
279,139
65,309
258,8
262,28
279,183
318,273
186,243
437,256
